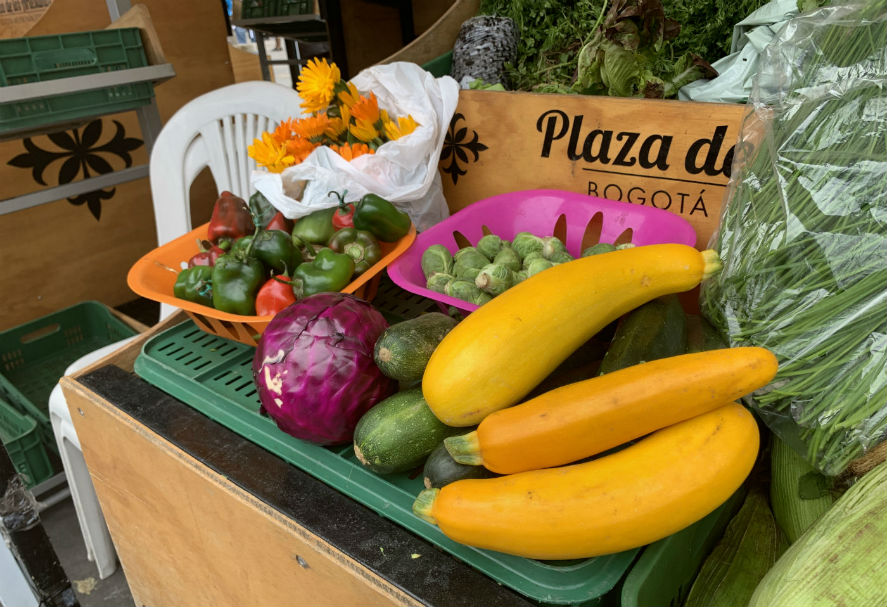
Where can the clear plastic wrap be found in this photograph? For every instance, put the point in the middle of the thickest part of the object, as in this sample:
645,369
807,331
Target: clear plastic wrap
803,233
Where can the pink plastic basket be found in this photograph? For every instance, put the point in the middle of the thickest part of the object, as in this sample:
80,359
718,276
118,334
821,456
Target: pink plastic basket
574,218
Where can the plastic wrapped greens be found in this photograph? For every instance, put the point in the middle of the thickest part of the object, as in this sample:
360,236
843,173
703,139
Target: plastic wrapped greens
803,233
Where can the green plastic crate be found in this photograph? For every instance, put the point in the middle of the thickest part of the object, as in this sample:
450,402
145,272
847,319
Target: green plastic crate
34,355
214,376
21,438
666,569
43,58
254,9
440,66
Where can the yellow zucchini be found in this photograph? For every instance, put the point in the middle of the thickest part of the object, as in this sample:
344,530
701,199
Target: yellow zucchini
588,417
495,356
630,498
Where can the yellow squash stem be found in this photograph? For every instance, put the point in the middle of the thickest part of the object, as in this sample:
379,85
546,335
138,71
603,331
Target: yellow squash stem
424,504
464,448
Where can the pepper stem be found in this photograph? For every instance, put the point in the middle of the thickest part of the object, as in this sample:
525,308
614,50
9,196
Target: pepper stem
424,504
465,448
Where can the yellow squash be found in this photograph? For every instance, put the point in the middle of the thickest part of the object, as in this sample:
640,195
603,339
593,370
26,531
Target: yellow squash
588,417
630,498
502,350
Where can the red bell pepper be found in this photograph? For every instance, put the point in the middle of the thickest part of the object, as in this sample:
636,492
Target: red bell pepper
207,256
273,296
231,218
344,215
279,222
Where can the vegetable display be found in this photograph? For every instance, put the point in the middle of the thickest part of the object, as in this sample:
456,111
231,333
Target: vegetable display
403,350
314,370
588,417
635,496
803,233
484,365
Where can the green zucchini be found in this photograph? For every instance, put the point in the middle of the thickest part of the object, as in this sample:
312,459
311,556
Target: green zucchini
702,336
652,331
398,433
403,349
441,469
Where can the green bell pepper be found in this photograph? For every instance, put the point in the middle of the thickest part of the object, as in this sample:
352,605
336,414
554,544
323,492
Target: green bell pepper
315,227
375,214
276,250
360,245
236,280
195,284
261,210
241,246
328,272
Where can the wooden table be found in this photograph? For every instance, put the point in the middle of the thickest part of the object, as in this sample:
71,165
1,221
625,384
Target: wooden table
201,516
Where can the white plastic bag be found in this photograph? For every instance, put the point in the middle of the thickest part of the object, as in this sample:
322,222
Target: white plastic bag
403,171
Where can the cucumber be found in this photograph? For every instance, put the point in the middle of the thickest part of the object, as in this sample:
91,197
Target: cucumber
403,349
398,433
441,469
657,329
702,336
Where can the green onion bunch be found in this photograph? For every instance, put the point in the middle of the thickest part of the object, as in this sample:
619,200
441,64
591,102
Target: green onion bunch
803,234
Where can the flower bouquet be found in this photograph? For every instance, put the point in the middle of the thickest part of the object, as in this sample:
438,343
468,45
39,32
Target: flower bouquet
381,133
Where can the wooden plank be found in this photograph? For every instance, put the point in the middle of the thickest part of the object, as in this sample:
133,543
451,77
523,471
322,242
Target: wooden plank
669,154
188,536
139,16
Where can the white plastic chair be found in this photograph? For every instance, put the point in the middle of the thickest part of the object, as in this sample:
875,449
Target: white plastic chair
212,131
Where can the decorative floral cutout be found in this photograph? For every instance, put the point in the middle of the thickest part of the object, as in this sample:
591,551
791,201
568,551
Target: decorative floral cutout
455,146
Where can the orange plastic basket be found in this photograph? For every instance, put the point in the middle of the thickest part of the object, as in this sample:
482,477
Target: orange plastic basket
154,275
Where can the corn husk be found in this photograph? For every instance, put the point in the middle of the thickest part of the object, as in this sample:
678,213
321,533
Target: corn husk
794,508
839,560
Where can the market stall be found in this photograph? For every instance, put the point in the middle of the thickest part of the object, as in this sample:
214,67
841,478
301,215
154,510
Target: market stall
467,333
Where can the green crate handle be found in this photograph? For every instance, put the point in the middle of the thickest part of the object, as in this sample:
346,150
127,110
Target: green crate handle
40,333
56,59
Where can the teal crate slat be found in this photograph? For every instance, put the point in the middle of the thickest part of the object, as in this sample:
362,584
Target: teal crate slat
21,438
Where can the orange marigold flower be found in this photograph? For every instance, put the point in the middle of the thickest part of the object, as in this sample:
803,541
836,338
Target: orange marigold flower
284,131
312,127
348,97
316,83
366,109
299,148
363,130
351,151
335,128
404,126
270,154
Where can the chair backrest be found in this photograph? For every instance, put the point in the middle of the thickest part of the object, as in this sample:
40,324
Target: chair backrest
213,131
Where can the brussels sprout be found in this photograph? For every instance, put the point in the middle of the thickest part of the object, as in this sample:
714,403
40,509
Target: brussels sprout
525,243
462,289
601,247
489,245
437,282
471,258
561,257
436,258
520,276
551,246
529,258
537,265
625,245
481,298
494,279
508,257
465,272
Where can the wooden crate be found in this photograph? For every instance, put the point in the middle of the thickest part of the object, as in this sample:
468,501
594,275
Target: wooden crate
673,155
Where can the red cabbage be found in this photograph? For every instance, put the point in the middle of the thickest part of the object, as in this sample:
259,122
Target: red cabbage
314,367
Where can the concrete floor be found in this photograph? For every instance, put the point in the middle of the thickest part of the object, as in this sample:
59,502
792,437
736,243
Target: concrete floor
60,523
